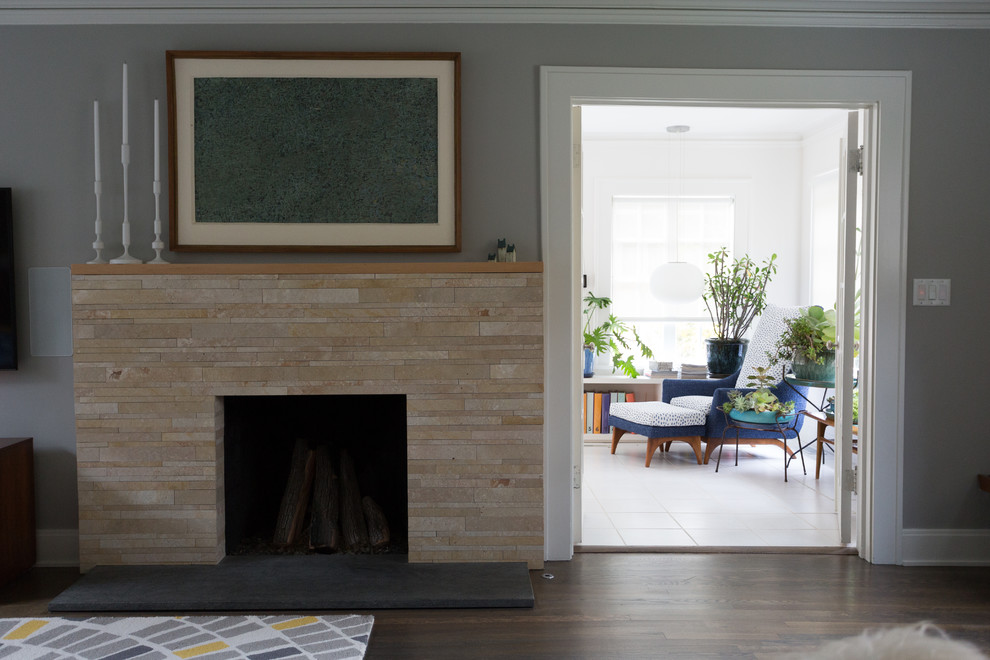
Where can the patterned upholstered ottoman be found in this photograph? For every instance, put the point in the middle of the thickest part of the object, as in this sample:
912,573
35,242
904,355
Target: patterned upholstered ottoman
661,423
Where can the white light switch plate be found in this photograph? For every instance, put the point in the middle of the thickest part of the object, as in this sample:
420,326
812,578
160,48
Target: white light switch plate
932,293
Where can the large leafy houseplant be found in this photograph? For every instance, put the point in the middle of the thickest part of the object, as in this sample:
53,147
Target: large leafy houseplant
612,336
735,293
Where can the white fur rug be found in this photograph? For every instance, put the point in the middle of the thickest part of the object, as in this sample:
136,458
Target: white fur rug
922,641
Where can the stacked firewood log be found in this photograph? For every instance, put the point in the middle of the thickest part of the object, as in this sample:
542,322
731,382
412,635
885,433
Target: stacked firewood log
340,519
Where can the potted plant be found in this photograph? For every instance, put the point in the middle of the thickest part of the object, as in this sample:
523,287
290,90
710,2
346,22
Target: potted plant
808,343
735,294
760,405
610,337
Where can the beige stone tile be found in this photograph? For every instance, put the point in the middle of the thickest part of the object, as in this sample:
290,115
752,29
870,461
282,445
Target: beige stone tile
522,452
513,329
153,376
298,375
310,296
95,409
507,295
436,523
121,296
433,329
450,372
156,407
129,497
431,405
513,403
104,282
208,497
523,419
414,295
441,452
335,329
531,372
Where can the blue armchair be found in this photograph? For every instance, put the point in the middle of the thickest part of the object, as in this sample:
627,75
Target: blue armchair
713,393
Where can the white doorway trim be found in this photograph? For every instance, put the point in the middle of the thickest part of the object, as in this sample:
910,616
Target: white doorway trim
885,259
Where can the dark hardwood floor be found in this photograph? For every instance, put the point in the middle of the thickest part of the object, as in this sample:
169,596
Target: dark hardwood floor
663,605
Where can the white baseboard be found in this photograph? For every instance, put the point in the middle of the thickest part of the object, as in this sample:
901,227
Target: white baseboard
946,547
57,547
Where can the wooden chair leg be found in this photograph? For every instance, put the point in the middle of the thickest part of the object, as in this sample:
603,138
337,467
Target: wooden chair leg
651,446
818,457
616,434
710,447
695,442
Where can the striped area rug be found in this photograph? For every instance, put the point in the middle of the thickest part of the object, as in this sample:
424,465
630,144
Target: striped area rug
335,637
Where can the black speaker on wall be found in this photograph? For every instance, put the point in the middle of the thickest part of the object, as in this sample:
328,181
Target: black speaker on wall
8,317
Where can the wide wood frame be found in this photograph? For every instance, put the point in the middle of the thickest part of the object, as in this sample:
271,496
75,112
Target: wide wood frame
419,232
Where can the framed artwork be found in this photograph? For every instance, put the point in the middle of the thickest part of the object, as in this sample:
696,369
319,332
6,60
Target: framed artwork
317,152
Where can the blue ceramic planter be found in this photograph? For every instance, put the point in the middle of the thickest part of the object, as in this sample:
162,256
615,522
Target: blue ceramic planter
753,417
806,369
724,356
589,362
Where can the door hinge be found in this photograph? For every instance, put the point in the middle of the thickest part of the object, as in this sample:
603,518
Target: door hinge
577,477
849,479
577,155
857,160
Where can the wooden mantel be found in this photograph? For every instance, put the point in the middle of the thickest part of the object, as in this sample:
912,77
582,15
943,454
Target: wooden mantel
308,268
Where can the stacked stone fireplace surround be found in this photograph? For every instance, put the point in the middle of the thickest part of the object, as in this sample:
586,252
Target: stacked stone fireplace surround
157,348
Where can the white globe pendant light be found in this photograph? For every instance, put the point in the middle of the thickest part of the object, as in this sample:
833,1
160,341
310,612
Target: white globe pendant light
677,281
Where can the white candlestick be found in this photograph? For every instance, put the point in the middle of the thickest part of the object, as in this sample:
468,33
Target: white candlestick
156,141
97,186
125,160
156,187
124,122
96,138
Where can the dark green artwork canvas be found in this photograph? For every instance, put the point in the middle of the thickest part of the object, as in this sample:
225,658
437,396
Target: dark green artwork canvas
316,150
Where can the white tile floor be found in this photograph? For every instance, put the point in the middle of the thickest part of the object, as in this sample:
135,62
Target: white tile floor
676,502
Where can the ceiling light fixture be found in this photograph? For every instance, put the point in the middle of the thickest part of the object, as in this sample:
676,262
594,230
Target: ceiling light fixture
677,281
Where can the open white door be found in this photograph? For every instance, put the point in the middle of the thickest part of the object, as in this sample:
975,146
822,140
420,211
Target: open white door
845,477
578,437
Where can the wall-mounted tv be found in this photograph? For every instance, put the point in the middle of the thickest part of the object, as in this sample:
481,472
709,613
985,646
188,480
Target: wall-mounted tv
8,317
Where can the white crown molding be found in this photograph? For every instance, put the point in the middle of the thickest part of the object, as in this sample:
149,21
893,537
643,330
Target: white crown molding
969,14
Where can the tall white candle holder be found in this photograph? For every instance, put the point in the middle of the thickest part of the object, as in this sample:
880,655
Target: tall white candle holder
97,186
157,245
98,243
126,258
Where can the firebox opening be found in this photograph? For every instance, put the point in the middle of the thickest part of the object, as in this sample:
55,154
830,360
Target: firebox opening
261,434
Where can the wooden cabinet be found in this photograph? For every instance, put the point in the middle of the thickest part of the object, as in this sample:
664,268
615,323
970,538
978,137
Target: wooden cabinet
644,388
17,534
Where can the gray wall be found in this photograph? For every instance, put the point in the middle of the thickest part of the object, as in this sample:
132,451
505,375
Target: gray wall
49,77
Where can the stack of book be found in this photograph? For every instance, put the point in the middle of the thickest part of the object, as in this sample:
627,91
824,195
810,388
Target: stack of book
662,370
596,407
694,371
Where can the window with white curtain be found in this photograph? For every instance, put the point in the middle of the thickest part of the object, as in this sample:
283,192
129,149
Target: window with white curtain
647,231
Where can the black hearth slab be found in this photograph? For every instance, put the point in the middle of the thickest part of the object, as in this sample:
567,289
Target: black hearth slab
303,582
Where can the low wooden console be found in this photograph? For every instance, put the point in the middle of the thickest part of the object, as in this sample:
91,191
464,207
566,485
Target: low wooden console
17,533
